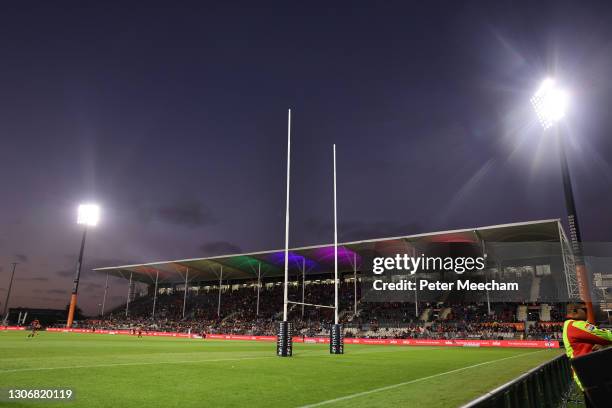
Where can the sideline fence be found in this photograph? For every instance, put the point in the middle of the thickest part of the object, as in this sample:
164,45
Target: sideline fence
546,386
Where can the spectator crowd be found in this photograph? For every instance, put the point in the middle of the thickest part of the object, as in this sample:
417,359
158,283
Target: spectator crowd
238,313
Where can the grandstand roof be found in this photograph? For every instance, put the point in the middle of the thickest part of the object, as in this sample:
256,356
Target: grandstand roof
319,259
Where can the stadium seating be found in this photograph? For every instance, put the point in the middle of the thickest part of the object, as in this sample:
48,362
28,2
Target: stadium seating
238,314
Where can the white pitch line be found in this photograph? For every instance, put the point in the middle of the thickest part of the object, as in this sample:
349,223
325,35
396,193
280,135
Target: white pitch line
302,353
390,387
17,370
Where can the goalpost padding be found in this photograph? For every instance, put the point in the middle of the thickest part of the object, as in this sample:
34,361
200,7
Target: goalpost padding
284,339
336,340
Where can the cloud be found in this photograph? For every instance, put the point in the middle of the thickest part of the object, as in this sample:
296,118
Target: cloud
48,299
52,291
86,269
21,257
364,230
186,213
219,248
35,278
65,273
92,285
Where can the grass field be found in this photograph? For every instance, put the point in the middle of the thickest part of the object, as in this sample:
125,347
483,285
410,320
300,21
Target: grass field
124,371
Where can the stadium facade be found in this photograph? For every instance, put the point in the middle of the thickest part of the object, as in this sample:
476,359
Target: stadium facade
541,245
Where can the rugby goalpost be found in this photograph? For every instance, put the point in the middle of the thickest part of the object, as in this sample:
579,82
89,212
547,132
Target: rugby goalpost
284,342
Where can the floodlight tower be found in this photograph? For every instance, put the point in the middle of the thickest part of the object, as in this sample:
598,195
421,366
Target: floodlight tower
88,216
550,103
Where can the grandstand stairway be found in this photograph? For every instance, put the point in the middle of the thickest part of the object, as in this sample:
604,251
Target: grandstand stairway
444,313
425,315
230,316
521,313
534,293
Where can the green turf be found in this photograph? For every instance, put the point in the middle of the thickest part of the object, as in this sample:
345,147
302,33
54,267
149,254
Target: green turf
124,371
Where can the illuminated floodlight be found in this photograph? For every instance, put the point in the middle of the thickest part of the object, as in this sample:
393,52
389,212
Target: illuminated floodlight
550,103
89,214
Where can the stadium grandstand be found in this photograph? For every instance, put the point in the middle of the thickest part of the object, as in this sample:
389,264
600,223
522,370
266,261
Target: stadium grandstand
243,293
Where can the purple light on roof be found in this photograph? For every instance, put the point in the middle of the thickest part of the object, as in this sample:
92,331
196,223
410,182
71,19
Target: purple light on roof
345,255
295,260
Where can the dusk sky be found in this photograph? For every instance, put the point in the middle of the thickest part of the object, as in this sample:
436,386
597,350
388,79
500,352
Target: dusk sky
172,116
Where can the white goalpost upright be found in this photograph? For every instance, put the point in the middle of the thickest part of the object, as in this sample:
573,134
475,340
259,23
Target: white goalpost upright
285,293
335,245
284,335
336,342
284,340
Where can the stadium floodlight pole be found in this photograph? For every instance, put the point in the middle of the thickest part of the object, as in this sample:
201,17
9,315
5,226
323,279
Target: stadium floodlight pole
575,234
104,297
550,103
335,246
8,295
155,294
88,215
185,294
127,303
285,288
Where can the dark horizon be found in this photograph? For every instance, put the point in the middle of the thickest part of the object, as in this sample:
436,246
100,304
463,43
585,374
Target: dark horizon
173,119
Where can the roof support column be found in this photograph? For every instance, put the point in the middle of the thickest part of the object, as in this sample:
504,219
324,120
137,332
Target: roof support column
416,288
127,303
104,297
355,283
484,254
185,294
219,302
488,298
258,287
303,283
155,294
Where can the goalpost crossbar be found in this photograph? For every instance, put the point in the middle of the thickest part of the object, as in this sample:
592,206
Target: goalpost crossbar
310,304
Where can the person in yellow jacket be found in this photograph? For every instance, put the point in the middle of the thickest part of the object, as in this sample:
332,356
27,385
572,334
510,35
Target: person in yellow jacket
581,337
